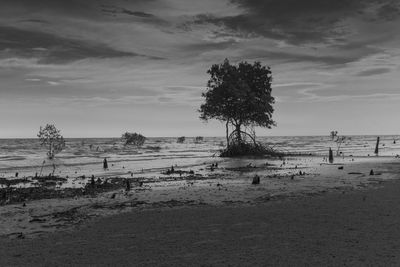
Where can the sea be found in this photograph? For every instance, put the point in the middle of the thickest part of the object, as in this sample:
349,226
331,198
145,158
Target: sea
84,156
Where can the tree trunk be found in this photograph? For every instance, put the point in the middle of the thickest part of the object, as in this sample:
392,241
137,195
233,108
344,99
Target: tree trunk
239,133
227,134
51,151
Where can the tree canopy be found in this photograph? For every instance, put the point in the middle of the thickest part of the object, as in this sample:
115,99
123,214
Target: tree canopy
239,95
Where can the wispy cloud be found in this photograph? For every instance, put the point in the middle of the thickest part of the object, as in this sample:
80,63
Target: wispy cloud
375,71
48,48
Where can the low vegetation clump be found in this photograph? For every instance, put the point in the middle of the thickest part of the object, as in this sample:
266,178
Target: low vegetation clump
246,149
181,139
198,139
153,148
134,139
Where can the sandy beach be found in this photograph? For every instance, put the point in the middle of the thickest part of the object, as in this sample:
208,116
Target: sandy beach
331,214
357,228
44,208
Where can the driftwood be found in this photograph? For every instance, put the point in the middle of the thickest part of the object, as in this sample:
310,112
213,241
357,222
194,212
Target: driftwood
377,146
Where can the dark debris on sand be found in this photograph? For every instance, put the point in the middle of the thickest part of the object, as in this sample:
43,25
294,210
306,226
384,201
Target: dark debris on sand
19,195
45,188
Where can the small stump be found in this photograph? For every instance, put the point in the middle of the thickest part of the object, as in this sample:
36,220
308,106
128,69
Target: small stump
256,180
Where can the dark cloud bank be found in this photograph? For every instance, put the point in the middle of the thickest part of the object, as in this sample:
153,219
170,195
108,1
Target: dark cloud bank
53,49
299,22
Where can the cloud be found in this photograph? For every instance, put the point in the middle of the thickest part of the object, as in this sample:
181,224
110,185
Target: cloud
203,46
115,10
180,88
40,21
340,98
52,49
375,71
137,13
285,57
314,93
33,80
118,12
299,22
74,8
53,83
295,84
389,11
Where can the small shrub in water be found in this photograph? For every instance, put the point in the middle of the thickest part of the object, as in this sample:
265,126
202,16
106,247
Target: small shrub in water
51,138
180,139
134,139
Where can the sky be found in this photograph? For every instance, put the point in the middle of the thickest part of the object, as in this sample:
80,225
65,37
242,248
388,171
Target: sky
98,68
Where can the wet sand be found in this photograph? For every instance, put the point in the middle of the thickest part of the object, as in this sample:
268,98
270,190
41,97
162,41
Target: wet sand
331,214
59,209
356,228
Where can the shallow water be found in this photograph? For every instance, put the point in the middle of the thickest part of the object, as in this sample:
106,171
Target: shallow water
230,183
84,156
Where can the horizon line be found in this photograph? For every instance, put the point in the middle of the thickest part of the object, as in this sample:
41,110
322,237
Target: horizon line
205,136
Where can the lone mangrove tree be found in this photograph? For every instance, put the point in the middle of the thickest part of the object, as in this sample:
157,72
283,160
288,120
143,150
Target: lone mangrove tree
240,96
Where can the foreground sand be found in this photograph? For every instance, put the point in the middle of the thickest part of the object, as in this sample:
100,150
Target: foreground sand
229,184
357,228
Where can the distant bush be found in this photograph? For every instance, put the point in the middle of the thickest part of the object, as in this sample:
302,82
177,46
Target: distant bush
181,139
134,139
153,147
198,139
339,140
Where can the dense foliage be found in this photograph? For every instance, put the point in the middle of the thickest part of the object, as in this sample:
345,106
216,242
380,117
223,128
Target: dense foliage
134,139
